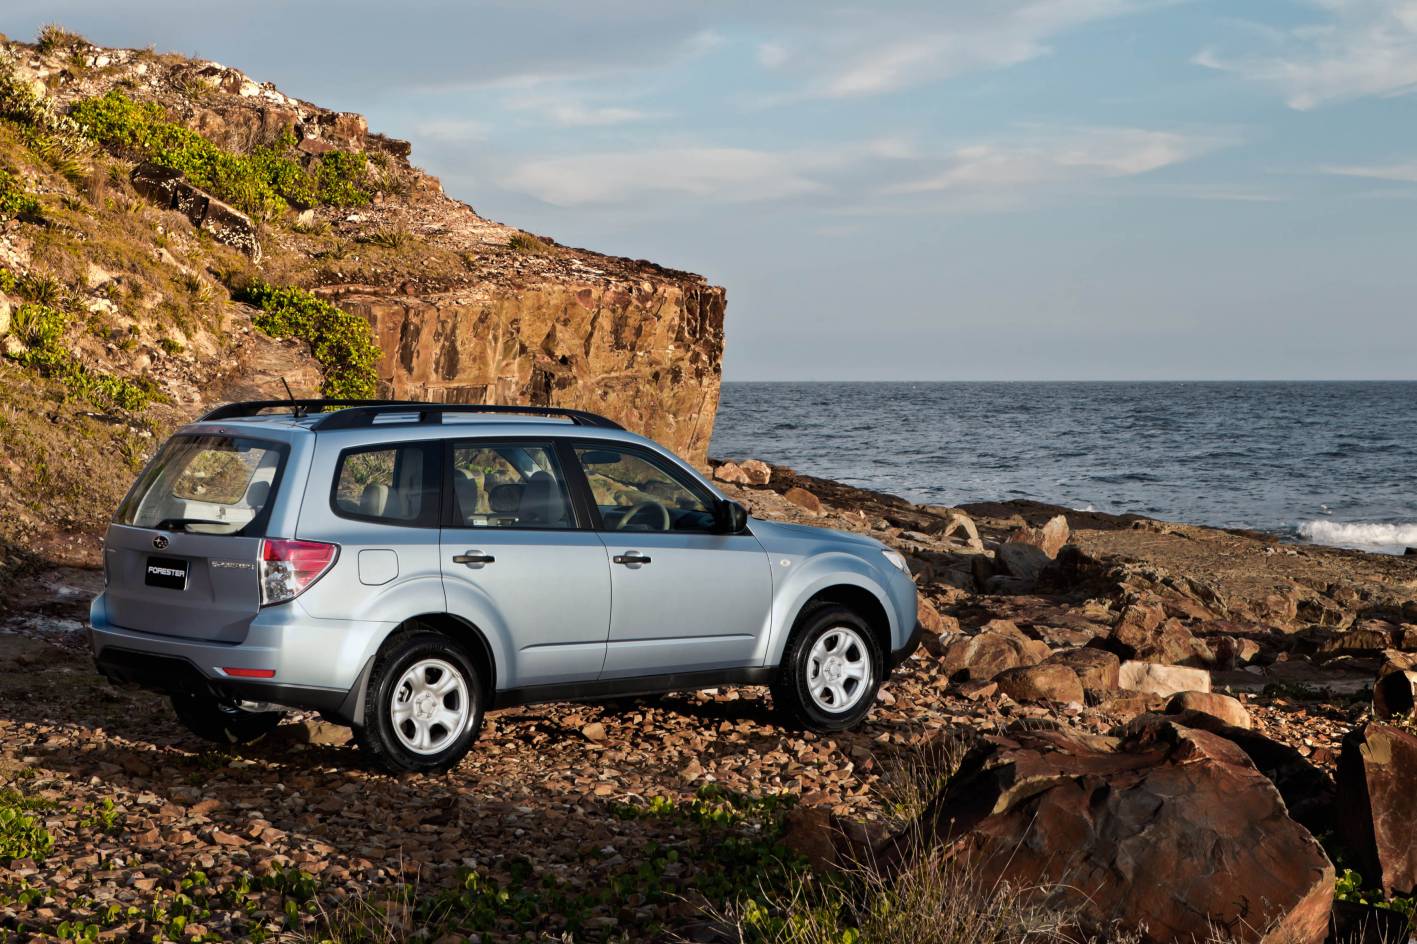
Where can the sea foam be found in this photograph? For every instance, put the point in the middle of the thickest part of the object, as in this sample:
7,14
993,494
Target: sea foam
1363,534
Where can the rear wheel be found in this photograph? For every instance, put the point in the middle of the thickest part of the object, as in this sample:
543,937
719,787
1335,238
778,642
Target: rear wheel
830,671
423,708
222,722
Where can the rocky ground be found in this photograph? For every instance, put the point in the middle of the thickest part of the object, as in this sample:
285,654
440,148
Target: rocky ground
623,821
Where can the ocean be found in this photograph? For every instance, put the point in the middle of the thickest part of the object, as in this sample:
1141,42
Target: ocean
1326,462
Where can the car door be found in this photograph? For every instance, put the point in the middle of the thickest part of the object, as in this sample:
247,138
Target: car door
520,564
684,597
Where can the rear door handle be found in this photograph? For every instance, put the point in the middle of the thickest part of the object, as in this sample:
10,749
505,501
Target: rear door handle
474,559
632,559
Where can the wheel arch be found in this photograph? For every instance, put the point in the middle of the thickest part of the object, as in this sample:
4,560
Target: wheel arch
859,599
455,627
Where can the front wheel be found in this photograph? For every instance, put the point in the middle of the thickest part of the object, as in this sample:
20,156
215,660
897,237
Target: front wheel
830,671
223,723
424,704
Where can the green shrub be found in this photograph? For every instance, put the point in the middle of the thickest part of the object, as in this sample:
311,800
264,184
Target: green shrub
14,202
21,835
40,329
341,342
527,243
264,183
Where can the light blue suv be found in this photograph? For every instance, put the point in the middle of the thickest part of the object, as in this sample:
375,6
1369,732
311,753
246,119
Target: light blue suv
403,567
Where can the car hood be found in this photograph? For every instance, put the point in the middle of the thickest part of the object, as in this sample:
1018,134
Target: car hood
770,531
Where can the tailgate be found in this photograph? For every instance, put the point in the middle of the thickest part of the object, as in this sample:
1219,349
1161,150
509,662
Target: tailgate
194,586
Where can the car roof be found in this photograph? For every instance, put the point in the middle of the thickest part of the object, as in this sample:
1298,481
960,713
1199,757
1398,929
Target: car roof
395,427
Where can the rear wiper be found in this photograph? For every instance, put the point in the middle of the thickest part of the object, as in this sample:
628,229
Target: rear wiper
182,524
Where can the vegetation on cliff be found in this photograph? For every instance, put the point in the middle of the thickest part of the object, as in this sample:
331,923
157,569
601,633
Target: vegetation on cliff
341,342
264,182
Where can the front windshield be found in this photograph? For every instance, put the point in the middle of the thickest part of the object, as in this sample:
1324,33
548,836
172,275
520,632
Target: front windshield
213,484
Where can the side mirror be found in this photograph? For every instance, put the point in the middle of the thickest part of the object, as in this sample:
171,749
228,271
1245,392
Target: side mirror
732,517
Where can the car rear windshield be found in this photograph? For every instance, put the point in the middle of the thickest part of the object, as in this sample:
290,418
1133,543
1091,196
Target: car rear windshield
213,484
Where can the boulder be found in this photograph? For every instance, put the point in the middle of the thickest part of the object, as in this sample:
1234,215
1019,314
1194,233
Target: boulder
1377,805
981,657
757,471
1221,707
730,472
1022,562
1042,682
932,619
1145,633
1170,833
804,499
1096,669
1164,680
225,223
1395,691
1049,539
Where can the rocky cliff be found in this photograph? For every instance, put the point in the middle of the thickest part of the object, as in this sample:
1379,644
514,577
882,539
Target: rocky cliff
141,192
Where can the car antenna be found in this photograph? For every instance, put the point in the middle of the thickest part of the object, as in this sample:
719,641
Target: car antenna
297,409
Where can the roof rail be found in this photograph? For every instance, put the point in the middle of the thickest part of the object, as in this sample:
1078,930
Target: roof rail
349,414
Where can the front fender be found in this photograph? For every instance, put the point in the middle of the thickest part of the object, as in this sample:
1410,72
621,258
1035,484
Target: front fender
810,577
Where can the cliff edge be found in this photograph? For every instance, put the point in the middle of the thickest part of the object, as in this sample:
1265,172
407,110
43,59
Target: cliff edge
174,233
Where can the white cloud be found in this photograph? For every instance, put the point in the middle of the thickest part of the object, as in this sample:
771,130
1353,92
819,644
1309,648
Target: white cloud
772,55
567,112
1402,172
871,55
705,173
877,175
453,129
1360,48
1055,158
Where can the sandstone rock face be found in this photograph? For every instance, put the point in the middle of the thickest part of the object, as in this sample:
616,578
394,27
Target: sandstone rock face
647,355
1377,807
1163,680
1221,707
1172,830
981,657
1097,669
1042,682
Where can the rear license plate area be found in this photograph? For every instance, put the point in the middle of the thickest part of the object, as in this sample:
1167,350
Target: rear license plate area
166,572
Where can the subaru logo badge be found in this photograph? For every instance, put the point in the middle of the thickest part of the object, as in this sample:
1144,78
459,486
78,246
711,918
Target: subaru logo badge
160,541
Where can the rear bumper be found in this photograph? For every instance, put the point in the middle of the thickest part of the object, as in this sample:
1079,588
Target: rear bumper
174,675
318,663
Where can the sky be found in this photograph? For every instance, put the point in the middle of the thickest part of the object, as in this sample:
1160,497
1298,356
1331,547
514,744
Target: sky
946,190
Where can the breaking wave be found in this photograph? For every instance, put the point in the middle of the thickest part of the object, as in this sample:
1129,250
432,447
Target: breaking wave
1363,534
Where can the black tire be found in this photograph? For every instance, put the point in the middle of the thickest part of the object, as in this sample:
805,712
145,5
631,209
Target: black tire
791,693
223,723
376,733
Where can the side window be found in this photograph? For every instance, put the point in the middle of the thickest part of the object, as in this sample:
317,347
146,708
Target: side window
635,493
509,485
388,484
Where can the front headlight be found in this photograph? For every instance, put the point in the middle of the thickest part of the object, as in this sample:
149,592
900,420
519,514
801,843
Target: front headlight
896,558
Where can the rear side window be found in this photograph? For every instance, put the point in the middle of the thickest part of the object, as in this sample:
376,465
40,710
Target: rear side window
214,484
509,485
394,484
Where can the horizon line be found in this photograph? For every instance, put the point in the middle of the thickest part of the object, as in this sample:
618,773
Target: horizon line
1177,380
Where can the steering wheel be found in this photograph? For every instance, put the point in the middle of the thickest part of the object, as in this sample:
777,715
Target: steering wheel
661,513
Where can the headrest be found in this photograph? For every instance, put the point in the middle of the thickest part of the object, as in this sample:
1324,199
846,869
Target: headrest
506,498
257,493
374,499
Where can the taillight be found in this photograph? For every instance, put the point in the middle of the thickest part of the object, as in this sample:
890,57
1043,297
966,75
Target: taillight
288,568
